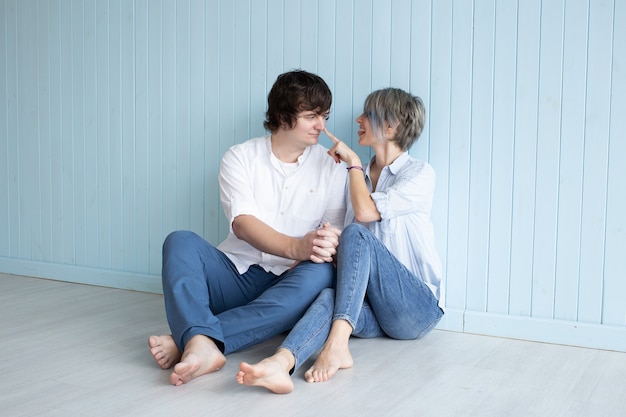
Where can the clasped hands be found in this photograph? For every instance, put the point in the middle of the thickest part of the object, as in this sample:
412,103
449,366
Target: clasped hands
324,242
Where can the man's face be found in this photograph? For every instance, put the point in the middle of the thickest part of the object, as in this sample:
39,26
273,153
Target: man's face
309,125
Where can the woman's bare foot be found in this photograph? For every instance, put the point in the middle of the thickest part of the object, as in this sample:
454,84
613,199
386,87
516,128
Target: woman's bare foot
335,354
164,350
201,356
331,359
271,373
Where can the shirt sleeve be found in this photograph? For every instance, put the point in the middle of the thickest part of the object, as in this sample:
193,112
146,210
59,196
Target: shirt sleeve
411,192
236,191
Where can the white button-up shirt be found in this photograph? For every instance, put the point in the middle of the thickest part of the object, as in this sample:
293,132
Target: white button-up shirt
404,198
293,202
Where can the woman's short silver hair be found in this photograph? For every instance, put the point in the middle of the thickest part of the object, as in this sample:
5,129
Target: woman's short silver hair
396,108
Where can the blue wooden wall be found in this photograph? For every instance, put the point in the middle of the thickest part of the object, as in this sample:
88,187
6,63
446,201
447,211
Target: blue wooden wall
114,115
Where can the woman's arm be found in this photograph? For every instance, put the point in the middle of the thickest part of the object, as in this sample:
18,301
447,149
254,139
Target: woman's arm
364,207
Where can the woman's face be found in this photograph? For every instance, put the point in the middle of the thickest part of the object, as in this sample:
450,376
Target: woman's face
367,136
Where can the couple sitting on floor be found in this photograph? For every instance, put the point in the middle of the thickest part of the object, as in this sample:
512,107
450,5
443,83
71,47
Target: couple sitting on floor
319,245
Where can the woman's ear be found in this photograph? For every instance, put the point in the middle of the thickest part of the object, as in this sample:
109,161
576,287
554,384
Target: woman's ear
390,131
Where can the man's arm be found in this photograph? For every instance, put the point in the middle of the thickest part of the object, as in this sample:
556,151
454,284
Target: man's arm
317,245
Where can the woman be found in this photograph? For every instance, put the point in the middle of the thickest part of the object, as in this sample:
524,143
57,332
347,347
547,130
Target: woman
388,271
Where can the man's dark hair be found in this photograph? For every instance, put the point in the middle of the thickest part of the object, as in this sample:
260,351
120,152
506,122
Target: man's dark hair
294,92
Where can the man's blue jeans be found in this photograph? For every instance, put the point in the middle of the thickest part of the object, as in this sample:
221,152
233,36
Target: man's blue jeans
205,294
375,293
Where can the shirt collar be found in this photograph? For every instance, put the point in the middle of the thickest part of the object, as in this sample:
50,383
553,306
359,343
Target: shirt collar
301,158
400,161
395,166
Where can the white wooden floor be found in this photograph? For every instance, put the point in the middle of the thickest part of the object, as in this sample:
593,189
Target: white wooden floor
78,350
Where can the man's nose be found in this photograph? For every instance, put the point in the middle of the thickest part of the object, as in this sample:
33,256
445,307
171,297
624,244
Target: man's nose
320,122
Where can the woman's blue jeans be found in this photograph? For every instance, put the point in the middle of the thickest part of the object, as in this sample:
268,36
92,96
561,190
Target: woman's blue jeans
205,294
375,293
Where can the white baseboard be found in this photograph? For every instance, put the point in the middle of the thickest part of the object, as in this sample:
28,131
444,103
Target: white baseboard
82,275
562,332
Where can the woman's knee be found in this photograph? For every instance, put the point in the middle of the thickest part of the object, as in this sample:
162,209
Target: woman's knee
353,230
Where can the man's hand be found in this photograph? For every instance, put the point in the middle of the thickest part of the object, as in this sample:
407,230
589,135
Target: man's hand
325,244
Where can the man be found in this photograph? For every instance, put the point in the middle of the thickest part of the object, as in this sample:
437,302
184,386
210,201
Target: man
284,199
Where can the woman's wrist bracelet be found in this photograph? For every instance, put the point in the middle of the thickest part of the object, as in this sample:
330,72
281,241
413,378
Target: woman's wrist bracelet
355,167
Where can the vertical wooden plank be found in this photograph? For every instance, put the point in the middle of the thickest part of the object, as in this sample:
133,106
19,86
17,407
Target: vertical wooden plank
45,138
309,16
275,37
363,60
241,70
259,84
548,145
226,57
6,148
141,214
420,62
525,151
400,44
227,82
78,126
440,49
57,221
128,88
571,156
614,285
480,142
102,135
26,131
502,160
215,225
167,64
196,115
343,69
88,182
183,152
291,44
594,191
460,106
32,156
381,42
115,128
326,50
155,133
12,130
68,235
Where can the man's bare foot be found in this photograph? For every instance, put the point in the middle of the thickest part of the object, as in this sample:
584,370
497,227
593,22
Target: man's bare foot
201,356
331,359
271,373
164,350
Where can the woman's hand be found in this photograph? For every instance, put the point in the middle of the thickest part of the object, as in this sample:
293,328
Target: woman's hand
342,152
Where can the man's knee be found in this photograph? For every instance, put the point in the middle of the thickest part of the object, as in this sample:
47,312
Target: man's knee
179,240
319,276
